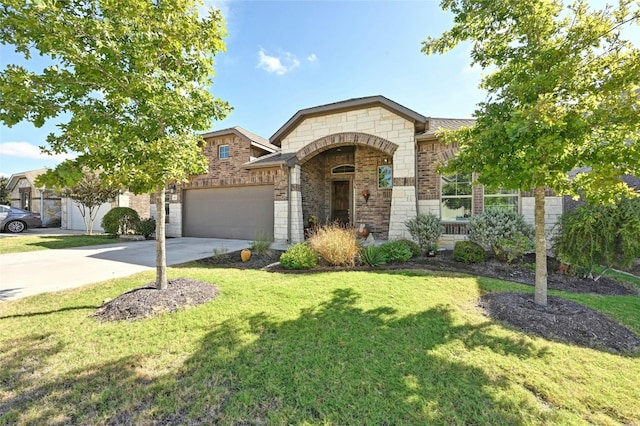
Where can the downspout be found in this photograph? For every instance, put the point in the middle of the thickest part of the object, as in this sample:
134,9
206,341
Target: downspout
42,205
289,206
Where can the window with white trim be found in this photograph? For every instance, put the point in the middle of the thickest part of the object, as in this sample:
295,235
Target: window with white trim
223,152
455,197
503,199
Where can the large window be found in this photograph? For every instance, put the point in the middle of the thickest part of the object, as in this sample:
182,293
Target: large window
455,197
504,199
223,152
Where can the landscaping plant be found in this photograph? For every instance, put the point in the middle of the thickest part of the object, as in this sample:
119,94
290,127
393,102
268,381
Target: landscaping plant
120,221
425,229
395,252
504,232
146,227
413,246
299,256
468,252
599,235
261,245
372,256
336,245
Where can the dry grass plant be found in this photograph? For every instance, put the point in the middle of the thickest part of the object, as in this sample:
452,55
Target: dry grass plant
335,244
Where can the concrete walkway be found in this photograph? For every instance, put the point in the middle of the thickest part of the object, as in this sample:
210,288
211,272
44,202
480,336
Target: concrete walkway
26,274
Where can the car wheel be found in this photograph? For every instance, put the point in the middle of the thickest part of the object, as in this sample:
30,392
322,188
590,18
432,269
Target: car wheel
15,226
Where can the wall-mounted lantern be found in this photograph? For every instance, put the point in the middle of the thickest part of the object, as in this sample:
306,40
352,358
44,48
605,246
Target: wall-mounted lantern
366,195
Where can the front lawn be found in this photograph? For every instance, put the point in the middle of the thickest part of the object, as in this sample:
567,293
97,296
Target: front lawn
332,348
46,242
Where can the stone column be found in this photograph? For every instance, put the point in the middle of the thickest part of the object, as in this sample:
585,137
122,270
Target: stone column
296,225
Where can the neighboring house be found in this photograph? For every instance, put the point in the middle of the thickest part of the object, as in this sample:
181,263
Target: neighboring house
25,195
365,161
71,216
63,211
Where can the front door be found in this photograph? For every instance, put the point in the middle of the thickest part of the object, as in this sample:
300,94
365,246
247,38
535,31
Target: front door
341,202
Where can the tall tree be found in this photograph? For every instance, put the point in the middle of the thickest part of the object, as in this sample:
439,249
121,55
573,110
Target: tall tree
133,76
562,94
89,193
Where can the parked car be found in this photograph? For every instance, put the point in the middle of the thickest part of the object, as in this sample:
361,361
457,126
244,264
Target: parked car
17,220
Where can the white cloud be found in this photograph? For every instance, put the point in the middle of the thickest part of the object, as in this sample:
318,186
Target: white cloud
26,150
312,58
277,65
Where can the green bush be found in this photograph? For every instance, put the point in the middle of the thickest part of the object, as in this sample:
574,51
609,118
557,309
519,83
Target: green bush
395,251
425,229
299,256
413,246
510,249
335,244
146,227
602,235
120,221
504,232
372,256
468,252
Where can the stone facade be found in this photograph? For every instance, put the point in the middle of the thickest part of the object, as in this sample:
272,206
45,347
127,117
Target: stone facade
26,195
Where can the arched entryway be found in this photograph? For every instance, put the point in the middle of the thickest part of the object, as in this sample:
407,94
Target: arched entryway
335,172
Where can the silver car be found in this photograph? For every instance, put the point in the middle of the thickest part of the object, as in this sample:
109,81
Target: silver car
13,219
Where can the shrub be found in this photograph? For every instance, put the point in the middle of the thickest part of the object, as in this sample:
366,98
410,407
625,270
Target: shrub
55,222
591,236
372,256
146,227
335,244
468,252
413,246
299,256
510,249
120,220
262,245
395,251
504,232
426,229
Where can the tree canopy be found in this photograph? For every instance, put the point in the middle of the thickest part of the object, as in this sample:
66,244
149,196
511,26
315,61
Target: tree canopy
133,77
563,100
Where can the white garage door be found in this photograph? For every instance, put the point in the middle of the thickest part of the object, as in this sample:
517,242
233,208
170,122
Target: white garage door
244,213
74,218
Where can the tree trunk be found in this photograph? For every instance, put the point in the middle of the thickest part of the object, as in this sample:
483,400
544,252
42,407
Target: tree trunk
540,297
161,250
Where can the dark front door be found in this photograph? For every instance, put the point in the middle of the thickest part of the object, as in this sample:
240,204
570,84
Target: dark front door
340,202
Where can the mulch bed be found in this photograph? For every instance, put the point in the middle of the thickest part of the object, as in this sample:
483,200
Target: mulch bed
147,301
561,319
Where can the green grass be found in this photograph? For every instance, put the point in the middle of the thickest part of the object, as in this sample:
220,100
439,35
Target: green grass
46,242
343,348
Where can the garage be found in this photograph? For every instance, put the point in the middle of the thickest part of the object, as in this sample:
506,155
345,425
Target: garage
76,221
243,213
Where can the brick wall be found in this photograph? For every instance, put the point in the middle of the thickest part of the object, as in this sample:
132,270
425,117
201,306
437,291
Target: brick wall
375,213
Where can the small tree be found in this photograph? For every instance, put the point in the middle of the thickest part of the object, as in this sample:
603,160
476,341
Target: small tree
88,194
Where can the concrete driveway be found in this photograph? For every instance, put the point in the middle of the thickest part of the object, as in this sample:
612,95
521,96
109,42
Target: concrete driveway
26,274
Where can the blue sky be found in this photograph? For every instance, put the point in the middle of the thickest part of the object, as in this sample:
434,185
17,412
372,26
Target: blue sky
283,56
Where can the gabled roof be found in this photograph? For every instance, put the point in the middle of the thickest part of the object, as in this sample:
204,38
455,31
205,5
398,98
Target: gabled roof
437,124
272,160
257,141
351,104
30,176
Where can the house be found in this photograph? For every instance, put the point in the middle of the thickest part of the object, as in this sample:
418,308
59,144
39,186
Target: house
365,161
27,196
59,211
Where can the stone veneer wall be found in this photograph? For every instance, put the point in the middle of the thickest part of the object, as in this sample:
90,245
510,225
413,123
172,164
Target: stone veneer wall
313,189
51,208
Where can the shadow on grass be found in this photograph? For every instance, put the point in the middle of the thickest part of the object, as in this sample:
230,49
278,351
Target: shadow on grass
334,364
69,241
55,311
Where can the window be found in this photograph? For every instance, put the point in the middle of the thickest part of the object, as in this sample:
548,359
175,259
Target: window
385,177
504,199
455,197
223,152
346,168
167,200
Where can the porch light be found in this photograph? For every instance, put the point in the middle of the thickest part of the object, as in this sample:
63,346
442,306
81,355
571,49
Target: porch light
172,189
366,195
